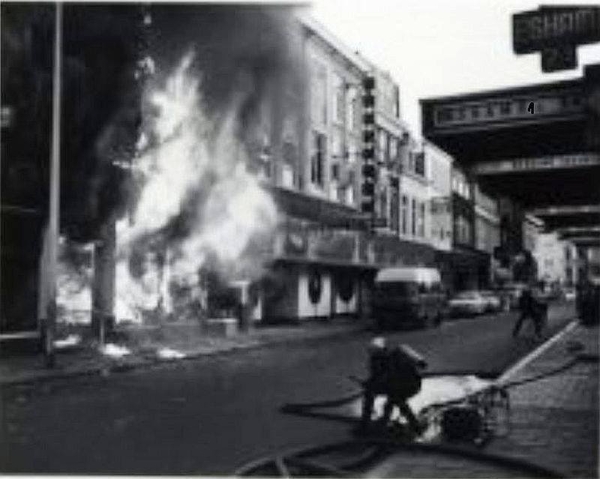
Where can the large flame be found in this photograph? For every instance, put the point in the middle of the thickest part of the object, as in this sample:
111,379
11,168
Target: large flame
193,172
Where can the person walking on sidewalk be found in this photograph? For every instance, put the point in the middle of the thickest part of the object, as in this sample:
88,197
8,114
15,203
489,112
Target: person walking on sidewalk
530,309
395,372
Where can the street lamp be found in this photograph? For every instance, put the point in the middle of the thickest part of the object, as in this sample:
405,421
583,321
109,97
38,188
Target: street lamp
51,241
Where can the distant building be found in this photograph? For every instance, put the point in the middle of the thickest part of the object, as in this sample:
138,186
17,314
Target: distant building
439,222
556,259
439,166
487,231
414,203
465,262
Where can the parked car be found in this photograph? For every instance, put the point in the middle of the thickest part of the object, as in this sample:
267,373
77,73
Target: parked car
405,297
569,294
494,302
468,303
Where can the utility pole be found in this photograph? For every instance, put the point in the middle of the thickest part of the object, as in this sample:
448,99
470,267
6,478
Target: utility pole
53,231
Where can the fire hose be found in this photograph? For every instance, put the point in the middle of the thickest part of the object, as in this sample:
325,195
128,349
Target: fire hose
331,403
379,450
485,398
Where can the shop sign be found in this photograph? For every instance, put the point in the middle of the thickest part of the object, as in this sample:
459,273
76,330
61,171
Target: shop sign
559,58
583,160
333,244
567,101
551,27
556,32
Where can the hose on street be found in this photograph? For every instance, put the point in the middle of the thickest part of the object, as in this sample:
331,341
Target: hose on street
308,410
376,451
300,408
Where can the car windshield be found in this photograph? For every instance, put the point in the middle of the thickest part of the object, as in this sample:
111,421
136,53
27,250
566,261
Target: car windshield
397,289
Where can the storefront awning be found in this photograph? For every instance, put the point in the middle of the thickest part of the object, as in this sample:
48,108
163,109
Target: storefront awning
327,213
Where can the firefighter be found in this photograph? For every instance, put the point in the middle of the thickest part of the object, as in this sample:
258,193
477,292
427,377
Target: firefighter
395,372
533,309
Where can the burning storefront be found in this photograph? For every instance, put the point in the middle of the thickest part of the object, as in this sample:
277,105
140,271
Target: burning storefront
225,178
157,174
200,209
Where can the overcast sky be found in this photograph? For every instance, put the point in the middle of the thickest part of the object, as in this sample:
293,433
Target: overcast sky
441,47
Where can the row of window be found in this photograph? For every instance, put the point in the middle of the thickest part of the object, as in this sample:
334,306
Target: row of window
416,163
317,158
389,150
341,153
388,147
345,107
413,216
463,230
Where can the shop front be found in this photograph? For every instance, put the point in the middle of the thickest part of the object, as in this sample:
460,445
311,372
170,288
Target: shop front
467,269
316,272
319,272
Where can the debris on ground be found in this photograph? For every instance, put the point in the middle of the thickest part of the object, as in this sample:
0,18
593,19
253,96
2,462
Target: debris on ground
168,353
114,350
70,341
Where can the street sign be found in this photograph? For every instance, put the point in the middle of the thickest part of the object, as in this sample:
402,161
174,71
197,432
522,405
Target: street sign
548,27
556,32
559,58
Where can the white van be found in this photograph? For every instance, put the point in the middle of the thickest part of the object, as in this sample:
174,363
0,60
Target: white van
405,297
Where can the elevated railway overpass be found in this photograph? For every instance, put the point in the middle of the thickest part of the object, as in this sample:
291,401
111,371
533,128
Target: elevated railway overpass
535,146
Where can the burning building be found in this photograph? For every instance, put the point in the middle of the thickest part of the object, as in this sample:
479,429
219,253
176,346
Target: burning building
226,178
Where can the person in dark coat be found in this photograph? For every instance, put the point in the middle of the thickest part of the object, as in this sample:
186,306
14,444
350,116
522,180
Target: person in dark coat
530,309
395,372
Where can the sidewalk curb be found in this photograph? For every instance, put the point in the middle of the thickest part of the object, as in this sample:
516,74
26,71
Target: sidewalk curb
521,363
119,367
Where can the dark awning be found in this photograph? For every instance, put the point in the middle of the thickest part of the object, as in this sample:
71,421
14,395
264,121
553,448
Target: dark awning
301,205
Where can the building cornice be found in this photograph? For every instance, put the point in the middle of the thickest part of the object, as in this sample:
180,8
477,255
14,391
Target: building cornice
332,41
438,151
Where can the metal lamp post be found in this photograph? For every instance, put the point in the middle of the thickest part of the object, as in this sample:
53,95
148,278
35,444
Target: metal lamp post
53,231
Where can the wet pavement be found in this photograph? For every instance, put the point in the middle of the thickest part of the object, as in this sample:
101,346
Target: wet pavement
555,419
211,414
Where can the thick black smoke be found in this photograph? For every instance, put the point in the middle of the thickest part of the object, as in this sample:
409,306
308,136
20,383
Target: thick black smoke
238,48
244,55
240,51
99,106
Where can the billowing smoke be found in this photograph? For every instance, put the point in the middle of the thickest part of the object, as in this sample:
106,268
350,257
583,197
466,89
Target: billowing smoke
195,197
186,196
